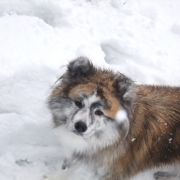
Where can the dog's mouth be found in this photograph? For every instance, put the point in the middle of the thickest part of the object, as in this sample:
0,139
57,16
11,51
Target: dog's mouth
84,135
77,133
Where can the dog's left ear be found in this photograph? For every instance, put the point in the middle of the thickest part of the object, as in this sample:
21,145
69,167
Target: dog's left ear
80,67
123,86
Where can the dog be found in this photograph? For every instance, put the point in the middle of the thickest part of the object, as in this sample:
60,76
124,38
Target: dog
111,125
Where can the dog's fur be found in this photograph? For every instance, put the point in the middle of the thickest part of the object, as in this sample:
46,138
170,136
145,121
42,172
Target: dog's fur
125,128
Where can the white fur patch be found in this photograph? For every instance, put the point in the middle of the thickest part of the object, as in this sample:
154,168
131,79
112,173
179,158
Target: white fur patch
121,116
70,142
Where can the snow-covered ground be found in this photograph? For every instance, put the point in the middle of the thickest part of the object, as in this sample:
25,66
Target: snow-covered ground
140,38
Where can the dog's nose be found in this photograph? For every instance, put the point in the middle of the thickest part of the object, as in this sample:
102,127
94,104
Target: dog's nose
80,127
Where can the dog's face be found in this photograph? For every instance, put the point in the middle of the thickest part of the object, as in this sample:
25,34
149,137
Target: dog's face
88,104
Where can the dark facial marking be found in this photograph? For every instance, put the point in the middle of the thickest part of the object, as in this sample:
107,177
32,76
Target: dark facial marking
96,105
58,105
59,121
98,113
78,104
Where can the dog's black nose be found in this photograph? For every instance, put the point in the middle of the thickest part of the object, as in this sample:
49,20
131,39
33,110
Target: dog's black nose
80,127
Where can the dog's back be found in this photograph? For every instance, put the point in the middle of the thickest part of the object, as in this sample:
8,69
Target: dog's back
154,135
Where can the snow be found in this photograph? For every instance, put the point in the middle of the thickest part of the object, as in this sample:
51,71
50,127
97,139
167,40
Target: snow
121,116
140,38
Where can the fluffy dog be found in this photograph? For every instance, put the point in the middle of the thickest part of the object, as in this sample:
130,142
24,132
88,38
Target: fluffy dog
113,126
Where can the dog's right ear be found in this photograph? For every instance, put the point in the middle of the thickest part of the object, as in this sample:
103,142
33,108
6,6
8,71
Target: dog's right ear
80,67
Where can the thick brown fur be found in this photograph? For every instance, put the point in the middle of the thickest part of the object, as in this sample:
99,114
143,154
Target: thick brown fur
154,135
153,139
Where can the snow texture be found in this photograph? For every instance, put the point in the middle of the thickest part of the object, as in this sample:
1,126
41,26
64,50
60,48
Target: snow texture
139,38
121,116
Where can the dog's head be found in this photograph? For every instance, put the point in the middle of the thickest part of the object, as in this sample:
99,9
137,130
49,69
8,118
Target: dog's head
91,104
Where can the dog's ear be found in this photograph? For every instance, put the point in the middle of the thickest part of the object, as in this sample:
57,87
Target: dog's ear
80,67
123,86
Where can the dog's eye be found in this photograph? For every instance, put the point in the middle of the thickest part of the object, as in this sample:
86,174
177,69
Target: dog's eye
78,104
98,112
